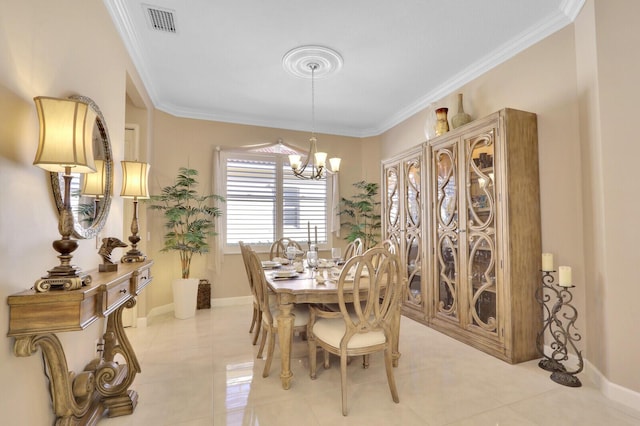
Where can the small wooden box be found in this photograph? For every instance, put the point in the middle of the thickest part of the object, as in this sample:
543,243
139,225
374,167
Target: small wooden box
204,295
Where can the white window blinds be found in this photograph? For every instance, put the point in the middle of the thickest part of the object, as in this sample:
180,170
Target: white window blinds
266,202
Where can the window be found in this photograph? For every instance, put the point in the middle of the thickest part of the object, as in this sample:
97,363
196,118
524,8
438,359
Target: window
265,201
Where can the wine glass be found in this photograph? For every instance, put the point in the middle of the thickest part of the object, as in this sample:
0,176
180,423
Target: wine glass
336,254
312,259
291,253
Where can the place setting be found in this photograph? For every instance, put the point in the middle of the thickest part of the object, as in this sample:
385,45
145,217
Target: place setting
271,264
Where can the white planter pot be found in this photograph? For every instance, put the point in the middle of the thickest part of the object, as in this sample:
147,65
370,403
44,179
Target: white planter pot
185,297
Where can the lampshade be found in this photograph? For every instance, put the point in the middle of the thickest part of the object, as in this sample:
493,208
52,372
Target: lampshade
321,159
135,177
66,131
335,164
294,161
94,183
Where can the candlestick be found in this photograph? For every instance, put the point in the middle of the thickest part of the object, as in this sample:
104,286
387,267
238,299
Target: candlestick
547,262
559,324
564,276
544,295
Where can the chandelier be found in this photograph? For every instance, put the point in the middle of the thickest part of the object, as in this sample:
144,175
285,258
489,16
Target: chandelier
313,58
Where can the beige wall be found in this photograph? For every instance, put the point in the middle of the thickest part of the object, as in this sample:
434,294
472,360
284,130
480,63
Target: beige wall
546,86
188,142
608,91
582,83
53,49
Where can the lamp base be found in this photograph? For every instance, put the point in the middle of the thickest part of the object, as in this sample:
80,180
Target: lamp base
57,281
566,379
133,256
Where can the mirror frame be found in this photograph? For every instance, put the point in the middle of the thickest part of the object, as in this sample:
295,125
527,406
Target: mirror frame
57,180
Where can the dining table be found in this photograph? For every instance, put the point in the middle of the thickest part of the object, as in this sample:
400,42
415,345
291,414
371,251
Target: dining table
304,287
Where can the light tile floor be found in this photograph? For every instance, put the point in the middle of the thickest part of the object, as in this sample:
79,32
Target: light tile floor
204,371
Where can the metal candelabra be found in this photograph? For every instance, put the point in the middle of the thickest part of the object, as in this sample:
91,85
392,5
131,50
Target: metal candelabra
564,335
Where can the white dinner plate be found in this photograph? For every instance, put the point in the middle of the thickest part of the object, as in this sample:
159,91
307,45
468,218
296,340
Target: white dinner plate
285,273
270,264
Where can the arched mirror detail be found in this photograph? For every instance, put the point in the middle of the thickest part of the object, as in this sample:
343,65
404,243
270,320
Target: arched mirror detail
90,193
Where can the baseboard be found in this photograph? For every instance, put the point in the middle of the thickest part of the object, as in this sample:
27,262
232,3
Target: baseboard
227,301
612,391
160,310
231,301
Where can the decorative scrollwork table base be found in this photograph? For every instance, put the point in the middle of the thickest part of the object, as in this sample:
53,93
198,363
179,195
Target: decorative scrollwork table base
103,386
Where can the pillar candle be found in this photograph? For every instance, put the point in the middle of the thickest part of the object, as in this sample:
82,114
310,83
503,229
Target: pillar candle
547,262
565,276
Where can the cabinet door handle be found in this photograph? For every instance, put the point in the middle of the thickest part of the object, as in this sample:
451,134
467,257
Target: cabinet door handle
123,291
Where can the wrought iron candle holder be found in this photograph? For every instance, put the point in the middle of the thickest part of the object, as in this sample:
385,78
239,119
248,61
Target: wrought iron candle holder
563,334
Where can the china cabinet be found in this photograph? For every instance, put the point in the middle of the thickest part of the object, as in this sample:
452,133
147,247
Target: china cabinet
402,223
485,234
464,211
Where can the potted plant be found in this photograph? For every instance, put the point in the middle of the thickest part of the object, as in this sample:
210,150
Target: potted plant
363,214
189,222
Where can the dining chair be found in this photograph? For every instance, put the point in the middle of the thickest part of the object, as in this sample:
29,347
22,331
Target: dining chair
256,319
369,324
279,247
388,244
354,248
270,312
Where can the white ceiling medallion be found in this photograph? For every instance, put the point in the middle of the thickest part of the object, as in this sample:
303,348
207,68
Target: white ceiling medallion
297,61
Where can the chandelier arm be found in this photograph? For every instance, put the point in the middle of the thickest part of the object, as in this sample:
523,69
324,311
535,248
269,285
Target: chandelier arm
317,170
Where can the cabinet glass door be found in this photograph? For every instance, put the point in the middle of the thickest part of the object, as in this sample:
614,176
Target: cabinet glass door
481,231
446,228
412,224
392,204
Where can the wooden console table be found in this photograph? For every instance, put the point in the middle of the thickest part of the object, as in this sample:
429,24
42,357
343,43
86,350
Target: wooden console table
34,318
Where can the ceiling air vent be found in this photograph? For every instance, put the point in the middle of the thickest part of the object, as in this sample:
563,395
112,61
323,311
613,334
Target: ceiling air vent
160,19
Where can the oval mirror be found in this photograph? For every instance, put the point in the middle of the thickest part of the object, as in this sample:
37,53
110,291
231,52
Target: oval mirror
90,206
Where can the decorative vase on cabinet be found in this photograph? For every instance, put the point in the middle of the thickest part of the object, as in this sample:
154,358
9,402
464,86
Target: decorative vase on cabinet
485,235
461,118
442,125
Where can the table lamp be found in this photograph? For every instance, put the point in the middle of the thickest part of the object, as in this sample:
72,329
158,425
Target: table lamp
135,177
93,185
65,145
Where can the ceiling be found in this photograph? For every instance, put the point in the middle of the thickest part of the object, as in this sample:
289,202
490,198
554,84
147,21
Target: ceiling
224,60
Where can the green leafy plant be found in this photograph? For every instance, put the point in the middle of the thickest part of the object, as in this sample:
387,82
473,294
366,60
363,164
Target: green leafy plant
362,211
86,213
189,217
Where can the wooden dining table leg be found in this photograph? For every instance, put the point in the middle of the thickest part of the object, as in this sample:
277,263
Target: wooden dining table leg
285,334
